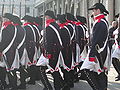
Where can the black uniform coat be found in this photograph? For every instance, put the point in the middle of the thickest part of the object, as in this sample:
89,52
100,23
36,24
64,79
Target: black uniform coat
71,26
80,35
66,50
7,36
51,44
100,34
29,42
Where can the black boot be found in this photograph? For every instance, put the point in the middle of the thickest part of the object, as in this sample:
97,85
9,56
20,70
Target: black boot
37,77
22,78
44,79
116,64
12,79
91,78
58,81
3,76
32,75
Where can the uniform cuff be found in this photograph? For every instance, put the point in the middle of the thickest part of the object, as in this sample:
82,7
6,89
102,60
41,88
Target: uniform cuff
119,46
1,54
92,59
49,56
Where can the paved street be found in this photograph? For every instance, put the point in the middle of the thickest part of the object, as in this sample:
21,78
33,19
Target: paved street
82,85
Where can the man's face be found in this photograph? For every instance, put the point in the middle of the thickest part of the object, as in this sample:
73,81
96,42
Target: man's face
47,17
96,12
5,20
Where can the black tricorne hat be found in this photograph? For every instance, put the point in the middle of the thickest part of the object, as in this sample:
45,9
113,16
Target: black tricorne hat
28,18
8,16
38,20
16,20
61,18
99,6
81,19
71,17
50,13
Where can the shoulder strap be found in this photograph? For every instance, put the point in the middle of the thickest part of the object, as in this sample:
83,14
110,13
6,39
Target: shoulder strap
101,49
33,32
57,33
1,33
22,41
73,31
37,30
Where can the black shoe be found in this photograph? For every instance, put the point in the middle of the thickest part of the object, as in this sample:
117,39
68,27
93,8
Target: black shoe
47,89
66,88
31,82
117,79
76,80
13,89
71,85
21,86
117,76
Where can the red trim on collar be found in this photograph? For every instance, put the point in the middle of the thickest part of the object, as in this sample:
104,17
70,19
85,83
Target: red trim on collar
78,23
66,23
16,24
49,21
36,24
62,25
27,23
99,17
69,21
5,24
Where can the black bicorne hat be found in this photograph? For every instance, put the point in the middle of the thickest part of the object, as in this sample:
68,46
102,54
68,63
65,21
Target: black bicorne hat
50,13
38,20
71,17
16,20
99,6
61,18
81,19
8,16
28,18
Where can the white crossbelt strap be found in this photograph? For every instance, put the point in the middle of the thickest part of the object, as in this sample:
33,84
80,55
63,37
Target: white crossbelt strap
8,47
37,31
73,31
101,49
1,33
22,41
67,30
33,32
83,30
57,33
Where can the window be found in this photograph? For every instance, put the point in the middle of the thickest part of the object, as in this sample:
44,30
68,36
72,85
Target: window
27,9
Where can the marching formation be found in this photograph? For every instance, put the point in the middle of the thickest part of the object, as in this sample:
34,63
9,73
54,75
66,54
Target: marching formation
62,45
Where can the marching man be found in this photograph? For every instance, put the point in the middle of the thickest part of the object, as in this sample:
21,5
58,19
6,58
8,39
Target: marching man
96,62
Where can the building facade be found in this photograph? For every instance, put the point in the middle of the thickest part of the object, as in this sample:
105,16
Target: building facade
77,7
18,7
